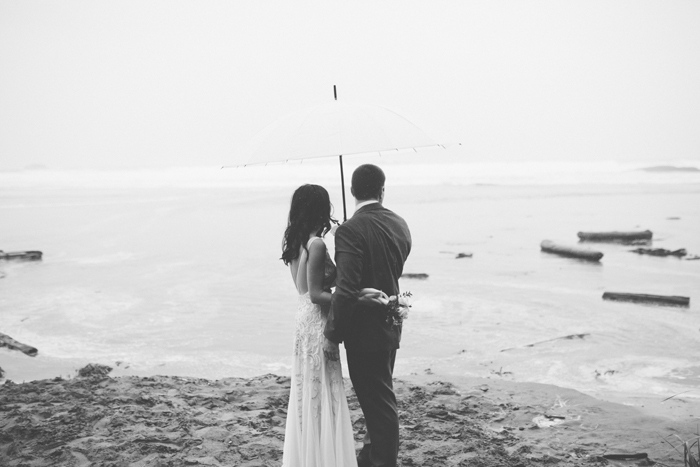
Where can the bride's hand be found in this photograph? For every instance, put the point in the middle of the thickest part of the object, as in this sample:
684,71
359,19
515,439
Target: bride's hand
331,351
370,295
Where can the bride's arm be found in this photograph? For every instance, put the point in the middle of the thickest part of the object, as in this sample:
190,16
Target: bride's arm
315,271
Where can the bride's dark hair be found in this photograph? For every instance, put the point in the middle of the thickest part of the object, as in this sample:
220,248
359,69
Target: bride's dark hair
310,212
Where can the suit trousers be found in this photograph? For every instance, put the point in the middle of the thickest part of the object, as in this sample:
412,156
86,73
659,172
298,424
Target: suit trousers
371,376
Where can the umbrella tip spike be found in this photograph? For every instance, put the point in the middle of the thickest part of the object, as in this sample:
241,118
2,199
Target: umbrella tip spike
335,93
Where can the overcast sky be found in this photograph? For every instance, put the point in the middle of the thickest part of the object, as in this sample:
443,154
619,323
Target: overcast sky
170,83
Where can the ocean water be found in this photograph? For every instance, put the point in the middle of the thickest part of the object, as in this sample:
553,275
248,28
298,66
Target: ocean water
176,272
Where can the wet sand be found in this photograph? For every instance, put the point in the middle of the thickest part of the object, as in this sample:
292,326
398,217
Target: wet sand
173,421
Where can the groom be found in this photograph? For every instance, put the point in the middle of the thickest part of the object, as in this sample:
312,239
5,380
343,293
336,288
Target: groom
370,251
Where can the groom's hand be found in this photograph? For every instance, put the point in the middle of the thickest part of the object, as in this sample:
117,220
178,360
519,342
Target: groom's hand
373,296
331,351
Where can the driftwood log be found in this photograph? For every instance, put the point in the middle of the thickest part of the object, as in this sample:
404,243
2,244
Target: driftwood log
660,252
459,255
10,343
570,251
411,275
615,236
23,255
674,300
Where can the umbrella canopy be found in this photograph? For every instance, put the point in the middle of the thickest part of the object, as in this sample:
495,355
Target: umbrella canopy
334,129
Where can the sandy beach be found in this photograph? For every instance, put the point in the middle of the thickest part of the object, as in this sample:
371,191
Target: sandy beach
170,421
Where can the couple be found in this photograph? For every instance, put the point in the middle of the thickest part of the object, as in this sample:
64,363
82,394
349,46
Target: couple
370,251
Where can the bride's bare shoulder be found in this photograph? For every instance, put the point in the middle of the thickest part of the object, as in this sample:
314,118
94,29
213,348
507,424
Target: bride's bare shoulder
317,245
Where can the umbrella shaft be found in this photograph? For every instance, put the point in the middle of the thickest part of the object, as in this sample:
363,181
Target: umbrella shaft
342,188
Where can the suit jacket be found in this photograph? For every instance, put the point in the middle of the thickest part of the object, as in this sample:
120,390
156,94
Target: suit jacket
370,251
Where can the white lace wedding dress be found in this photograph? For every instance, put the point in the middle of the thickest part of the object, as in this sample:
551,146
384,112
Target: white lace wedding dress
318,430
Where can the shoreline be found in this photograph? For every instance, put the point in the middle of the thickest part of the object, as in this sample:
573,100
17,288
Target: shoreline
677,405
445,420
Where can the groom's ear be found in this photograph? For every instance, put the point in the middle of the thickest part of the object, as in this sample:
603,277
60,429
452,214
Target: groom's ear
352,191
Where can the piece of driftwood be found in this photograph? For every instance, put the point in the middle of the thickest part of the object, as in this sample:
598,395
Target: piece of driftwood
569,337
410,275
674,300
660,252
10,343
459,255
615,236
23,255
570,251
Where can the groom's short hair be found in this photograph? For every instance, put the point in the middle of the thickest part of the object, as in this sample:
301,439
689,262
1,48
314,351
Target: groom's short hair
367,182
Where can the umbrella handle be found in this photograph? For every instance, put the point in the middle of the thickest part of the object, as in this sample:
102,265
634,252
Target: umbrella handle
342,188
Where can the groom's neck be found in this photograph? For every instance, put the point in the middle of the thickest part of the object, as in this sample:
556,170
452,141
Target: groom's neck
364,202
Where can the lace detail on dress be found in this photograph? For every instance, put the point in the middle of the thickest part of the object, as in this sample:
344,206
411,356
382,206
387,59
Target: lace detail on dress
309,357
318,429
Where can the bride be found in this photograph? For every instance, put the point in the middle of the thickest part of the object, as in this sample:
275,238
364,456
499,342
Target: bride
318,429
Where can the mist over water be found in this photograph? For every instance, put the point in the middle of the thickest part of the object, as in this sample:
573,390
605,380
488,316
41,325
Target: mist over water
176,271
424,167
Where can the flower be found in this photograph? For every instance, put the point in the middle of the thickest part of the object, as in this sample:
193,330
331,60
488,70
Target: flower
397,308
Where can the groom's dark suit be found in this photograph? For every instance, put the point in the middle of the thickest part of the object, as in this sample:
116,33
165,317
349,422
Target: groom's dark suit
370,251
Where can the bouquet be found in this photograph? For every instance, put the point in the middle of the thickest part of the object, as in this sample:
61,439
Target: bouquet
397,308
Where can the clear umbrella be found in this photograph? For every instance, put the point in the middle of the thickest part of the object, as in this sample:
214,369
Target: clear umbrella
334,129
